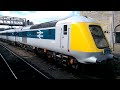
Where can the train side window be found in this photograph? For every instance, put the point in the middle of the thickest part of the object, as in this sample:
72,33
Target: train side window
65,30
49,31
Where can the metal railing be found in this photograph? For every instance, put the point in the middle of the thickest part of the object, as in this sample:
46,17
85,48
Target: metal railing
12,21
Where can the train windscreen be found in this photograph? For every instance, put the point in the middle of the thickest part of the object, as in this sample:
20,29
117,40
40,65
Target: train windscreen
98,36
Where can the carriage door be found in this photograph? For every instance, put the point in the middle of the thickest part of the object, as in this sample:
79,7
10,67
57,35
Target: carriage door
7,35
65,37
24,37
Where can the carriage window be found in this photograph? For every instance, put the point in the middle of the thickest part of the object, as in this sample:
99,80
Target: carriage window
65,30
49,31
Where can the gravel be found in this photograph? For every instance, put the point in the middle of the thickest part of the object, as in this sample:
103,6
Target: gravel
47,67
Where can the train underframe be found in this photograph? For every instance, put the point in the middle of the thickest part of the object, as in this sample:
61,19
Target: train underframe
61,59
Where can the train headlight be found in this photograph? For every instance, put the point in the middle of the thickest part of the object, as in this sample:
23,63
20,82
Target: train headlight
92,59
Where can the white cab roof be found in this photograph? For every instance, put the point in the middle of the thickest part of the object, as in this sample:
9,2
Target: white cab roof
74,19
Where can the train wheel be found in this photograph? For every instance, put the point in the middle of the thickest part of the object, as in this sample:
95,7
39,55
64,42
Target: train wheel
75,66
64,63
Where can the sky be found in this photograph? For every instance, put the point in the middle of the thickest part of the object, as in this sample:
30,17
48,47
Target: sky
38,16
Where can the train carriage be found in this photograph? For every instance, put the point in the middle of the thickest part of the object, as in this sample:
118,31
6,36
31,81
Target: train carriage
74,39
3,35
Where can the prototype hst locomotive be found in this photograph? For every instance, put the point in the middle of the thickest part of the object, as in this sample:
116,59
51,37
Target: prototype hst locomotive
74,39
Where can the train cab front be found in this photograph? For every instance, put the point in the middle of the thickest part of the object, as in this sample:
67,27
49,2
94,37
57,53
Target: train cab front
101,43
88,43
100,48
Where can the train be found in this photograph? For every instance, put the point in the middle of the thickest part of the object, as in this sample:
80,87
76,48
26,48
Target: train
76,39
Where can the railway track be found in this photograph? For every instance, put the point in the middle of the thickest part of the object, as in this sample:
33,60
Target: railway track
17,68
16,75
5,71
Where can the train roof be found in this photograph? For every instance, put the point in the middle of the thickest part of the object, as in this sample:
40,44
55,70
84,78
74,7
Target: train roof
74,19
44,25
27,27
10,30
69,19
3,31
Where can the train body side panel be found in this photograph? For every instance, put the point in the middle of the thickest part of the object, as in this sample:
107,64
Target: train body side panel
43,40
11,38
